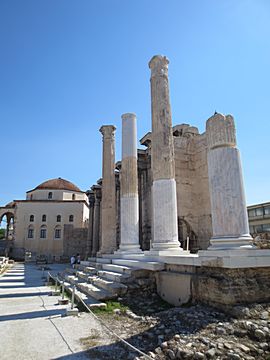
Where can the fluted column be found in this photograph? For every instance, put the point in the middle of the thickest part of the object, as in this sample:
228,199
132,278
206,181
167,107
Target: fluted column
89,244
108,211
129,242
228,204
96,219
165,229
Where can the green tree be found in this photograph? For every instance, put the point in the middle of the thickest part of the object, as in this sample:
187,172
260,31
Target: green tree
2,233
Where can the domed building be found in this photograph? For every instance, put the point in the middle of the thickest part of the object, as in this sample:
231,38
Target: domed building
45,223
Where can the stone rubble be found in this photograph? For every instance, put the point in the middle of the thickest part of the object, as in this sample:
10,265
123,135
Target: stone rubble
197,332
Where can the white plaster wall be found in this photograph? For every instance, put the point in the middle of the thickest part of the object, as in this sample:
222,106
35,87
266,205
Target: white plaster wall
51,209
56,195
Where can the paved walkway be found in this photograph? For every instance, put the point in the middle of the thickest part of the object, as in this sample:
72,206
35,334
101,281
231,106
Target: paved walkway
31,322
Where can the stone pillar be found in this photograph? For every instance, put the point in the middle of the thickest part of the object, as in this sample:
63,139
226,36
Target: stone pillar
96,219
129,187
117,205
165,229
228,204
108,211
89,243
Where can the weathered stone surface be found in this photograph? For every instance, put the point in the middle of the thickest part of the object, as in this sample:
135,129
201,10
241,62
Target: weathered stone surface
223,287
108,204
228,204
165,229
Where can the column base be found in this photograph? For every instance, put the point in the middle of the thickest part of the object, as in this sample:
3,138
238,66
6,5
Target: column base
231,242
128,249
165,249
102,252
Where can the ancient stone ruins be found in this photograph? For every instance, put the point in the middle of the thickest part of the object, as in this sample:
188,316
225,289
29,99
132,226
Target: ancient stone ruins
179,203
170,218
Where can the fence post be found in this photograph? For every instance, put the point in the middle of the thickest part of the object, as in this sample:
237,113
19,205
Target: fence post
73,297
63,290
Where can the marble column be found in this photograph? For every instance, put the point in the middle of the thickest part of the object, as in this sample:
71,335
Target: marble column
228,204
164,203
108,210
96,219
129,242
89,244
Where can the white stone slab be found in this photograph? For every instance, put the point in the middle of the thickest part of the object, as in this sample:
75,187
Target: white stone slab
147,265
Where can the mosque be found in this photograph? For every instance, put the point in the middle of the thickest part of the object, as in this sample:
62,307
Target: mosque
40,224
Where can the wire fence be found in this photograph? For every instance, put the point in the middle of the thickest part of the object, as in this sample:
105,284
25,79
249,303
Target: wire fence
63,286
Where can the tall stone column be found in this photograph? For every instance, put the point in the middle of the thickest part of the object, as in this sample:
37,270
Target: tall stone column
165,229
129,242
96,219
228,204
108,211
89,244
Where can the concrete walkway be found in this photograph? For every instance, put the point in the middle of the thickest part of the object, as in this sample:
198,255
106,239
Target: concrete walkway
31,322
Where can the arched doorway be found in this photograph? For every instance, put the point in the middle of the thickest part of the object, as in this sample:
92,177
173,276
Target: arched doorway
7,226
6,232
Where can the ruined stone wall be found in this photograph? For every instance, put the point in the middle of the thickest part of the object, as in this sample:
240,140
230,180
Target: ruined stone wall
145,203
193,199
225,287
215,286
201,195
75,240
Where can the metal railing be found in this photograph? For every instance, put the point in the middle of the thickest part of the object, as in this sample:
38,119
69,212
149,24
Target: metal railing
62,284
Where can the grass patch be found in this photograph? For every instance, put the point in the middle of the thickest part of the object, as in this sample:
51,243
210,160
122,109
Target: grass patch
111,306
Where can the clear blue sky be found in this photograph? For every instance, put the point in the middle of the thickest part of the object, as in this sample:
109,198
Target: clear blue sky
69,66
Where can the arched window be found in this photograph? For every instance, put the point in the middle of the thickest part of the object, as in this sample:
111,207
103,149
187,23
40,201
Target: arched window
44,217
50,195
31,218
30,232
57,232
71,218
31,197
58,218
43,232
73,196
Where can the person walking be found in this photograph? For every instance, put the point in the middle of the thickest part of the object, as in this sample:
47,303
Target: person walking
72,261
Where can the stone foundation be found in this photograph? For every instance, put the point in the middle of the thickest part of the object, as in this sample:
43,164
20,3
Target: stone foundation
215,286
226,287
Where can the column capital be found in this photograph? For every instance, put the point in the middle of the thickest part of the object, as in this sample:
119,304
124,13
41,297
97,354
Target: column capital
128,116
159,65
97,191
91,197
107,130
220,131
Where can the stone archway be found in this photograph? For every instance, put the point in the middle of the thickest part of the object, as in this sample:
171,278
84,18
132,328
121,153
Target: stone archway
7,215
184,231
